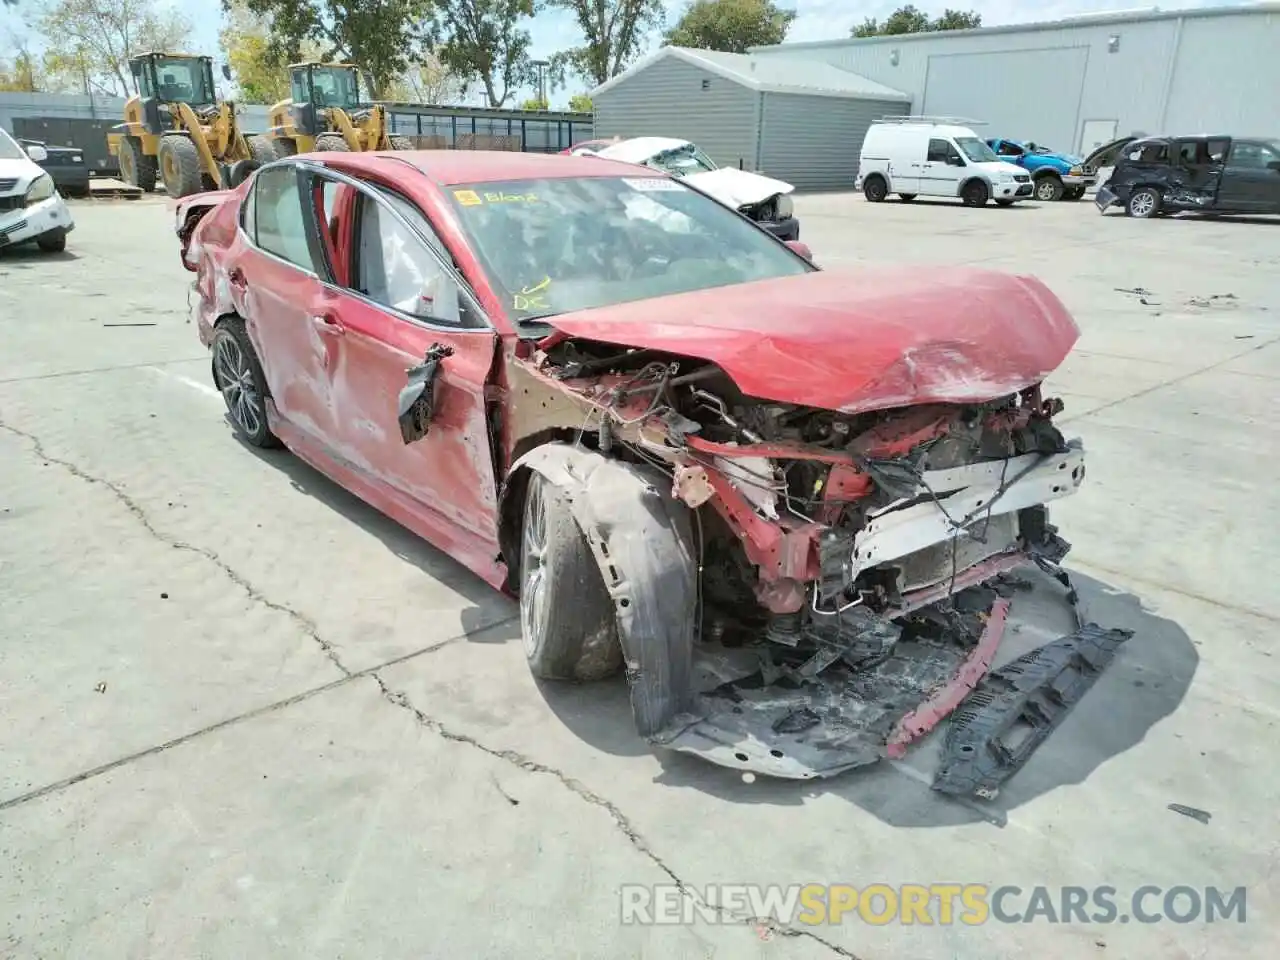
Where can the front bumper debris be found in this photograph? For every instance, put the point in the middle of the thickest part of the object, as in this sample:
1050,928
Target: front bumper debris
1104,198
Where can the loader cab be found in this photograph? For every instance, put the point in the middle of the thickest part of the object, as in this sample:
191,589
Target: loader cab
316,87
165,78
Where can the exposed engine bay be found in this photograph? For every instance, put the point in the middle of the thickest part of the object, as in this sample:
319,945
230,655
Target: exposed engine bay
853,571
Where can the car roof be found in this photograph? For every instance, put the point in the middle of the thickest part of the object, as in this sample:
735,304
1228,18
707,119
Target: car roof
449,167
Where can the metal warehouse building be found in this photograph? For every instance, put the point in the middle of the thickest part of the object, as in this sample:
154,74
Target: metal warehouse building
799,121
1074,84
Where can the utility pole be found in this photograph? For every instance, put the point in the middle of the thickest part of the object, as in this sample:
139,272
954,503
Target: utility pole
541,66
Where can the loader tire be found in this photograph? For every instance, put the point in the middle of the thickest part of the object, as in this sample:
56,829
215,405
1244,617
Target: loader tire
136,168
400,143
332,141
262,149
180,167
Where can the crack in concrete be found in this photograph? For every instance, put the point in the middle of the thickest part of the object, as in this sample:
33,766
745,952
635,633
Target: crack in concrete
307,625
399,699
628,829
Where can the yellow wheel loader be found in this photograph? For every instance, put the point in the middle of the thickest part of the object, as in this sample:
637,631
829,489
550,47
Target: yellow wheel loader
176,129
325,112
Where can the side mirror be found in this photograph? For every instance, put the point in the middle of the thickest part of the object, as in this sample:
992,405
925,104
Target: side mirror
37,153
801,248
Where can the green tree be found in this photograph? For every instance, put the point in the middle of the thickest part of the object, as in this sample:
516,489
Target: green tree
483,40
613,34
427,81
909,19
730,25
89,42
261,71
535,103
581,103
382,36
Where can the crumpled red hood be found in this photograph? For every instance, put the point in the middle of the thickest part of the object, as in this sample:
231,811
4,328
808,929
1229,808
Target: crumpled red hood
856,340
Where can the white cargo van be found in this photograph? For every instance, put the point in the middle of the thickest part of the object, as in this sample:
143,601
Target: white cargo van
936,157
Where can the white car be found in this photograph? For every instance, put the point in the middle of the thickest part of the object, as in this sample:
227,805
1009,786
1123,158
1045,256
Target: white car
930,157
30,207
761,198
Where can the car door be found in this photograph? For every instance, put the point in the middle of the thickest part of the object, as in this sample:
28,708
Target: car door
275,281
398,297
1251,178
942,170
1197,173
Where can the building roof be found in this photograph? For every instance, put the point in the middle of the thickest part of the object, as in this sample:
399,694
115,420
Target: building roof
769,75
1082,20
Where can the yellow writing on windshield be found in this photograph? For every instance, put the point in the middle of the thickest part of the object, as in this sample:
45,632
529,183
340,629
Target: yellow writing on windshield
501,197
532,297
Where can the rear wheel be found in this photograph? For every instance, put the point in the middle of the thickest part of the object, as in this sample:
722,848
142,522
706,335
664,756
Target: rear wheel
238,376
875,189
907,197
261,149
332,142
566,614
180,167
1144,203
1049,188
975,193
136,168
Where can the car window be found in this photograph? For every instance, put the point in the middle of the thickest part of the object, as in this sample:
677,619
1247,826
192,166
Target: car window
1190,153
940,150
1218,150
1150,151
976,150
1008,149
574,243
393,267
279,225
1252,155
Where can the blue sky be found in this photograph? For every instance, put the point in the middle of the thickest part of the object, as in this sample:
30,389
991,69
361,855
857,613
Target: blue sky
815,20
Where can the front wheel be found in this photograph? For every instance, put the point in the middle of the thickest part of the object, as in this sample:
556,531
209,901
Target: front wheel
975,193
1049,189
875,189
180,167
566,615
238,376
55,241
1144,203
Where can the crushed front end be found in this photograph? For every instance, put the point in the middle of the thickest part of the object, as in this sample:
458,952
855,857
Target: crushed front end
854,570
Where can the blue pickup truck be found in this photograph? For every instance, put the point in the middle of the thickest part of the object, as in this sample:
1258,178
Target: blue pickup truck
1057,176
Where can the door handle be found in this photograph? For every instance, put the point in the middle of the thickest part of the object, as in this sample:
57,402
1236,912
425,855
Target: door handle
328,323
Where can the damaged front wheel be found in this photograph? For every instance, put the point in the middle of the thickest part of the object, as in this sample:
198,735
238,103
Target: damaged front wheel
566,615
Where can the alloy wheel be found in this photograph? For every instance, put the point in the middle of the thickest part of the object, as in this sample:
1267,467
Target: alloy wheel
534,569
235,380
1142,204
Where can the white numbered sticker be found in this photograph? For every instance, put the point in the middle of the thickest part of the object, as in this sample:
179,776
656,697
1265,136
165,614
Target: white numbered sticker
652,184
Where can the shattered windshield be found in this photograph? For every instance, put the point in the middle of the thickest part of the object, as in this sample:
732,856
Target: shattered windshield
682,161
555,246
976,150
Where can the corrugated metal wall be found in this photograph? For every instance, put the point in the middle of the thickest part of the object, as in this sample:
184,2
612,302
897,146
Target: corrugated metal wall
672,98
1171,75
814,142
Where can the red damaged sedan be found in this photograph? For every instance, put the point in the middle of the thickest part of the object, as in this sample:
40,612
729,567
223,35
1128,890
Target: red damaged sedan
788,503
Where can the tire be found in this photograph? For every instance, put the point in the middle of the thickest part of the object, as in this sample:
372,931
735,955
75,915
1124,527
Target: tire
1049,189
180,167
261,149
875,189
401,143
286,147
907,197
238,376
55,241
240,171
136,168
1005,203
566,616
334,142
975,194
1144,203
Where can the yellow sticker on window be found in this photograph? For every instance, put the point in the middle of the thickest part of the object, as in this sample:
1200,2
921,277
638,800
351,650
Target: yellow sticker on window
468,198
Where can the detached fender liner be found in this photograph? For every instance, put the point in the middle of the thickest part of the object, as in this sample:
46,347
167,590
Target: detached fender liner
999,726
643,542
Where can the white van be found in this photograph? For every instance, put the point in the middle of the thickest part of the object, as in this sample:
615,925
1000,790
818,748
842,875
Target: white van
936,157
